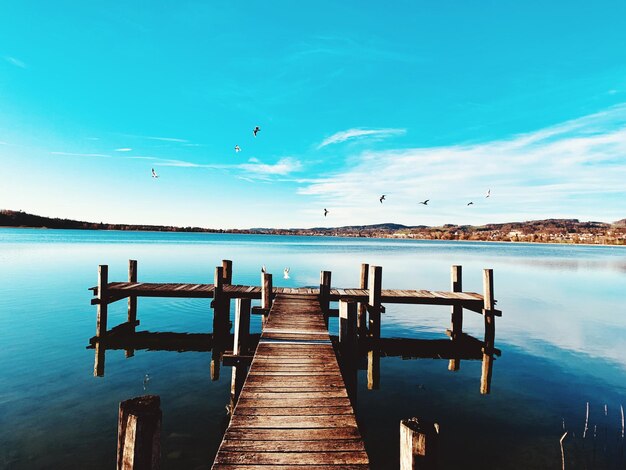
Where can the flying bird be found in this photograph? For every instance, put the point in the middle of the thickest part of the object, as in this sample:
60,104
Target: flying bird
263,270
255,130
470,203
488,193
425,202
154,174
237,148
382,198
286,273
325,212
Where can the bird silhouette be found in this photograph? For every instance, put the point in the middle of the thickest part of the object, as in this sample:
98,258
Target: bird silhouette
488,193
382,198
237,148
256,130
470,203
325,212
154,174
286,273
146,382
425,202
263,270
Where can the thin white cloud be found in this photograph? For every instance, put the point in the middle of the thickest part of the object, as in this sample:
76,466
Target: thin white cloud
351,134
282,167
124,150
14,61
3,143
167,139
71,154
576,169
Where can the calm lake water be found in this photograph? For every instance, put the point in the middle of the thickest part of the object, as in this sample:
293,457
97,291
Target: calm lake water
562,336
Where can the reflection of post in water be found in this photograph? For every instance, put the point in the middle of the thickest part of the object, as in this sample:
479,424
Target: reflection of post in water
240,345
457,315
348,346
490,331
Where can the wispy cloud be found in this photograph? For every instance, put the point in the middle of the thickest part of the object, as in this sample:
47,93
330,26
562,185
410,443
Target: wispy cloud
15,62
71,154
124,150
167,139
351,134
574,169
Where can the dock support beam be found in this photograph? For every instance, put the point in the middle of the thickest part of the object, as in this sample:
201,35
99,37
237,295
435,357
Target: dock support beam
132,302
240,345
218,322
139,434
456,275
418,444
490,331
348,346
101,322
266,295
374,311
362,318
325,279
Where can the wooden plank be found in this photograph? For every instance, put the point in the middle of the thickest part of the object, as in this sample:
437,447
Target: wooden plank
319,434
284,458
330,445
294,410
289,467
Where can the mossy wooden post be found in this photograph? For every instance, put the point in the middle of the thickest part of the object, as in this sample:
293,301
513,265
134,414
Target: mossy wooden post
266,294
418,444
456,329
218,329
325,279
132,302
240,346
101,321
139,434
362,317
490,331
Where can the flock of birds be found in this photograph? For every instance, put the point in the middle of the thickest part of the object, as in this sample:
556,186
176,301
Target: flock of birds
382,198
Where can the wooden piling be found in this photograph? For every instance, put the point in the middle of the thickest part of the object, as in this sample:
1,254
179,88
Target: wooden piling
490,331
456,329
373,368
132,302
218,322
325,280
418,444
240,346
347,327
139,434
101,321
362,317
374,307
227,271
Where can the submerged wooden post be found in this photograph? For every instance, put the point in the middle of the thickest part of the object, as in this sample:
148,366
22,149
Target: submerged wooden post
132,302
362,317
227,271
139,434
490,331
218,320
375,290
240,345
101,320
456,329
325,277
418,444
266,295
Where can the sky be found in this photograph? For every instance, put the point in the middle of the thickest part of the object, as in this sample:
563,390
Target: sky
412,99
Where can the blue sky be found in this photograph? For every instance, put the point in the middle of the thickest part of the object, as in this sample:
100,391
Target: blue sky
415,100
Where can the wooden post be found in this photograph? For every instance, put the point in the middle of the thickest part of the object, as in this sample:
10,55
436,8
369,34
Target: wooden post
227,270
218,321
139,434
347,327
418,444
490,331
375,289
132,302
362,318
101,320
456,275
266,294
373,368
325,277
240,345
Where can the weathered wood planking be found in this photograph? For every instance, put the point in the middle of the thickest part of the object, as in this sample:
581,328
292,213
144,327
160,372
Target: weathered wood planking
120,290
293,411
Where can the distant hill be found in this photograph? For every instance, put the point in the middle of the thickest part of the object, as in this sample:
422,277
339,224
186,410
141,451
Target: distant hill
545,231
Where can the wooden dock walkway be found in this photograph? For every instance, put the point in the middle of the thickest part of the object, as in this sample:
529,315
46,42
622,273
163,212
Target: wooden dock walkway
293,411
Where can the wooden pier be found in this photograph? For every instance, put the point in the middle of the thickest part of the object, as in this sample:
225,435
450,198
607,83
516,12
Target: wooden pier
291,403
